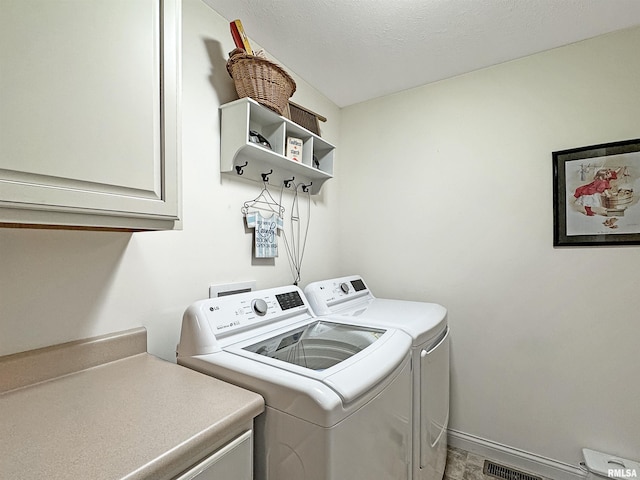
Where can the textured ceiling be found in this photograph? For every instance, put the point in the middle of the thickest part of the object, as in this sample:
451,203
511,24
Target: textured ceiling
355,50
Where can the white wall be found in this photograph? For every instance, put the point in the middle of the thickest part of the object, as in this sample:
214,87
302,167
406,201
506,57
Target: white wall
57,286
442,193
447,197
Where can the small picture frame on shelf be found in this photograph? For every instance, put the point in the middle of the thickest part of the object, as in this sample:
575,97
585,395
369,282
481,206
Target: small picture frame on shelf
294,149
595,199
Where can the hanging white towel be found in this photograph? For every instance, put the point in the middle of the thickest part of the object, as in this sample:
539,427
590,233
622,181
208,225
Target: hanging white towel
266,233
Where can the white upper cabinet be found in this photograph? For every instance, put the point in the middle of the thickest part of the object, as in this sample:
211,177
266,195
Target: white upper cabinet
89,119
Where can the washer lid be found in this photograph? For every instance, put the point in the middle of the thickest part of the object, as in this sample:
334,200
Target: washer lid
319,345
350,359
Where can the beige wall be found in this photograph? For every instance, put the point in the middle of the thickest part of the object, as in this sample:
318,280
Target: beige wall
447,196
57,286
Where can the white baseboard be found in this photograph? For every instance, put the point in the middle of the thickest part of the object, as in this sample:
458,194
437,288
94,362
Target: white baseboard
528,462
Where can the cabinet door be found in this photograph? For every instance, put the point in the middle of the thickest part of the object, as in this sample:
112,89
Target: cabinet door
232,462
88,111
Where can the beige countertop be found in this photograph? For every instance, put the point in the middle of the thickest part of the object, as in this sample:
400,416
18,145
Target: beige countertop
134,417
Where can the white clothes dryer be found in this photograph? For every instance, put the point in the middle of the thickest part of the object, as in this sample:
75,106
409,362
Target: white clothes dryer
337,395
349,299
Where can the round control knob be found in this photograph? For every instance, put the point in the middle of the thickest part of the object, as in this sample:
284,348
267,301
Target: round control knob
259,306
344,287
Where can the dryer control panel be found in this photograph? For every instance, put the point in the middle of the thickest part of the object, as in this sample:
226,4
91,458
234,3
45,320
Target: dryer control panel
327,296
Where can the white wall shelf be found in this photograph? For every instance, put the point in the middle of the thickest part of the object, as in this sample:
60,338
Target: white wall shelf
242,158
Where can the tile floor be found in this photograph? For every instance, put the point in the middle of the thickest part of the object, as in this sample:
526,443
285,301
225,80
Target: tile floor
463,465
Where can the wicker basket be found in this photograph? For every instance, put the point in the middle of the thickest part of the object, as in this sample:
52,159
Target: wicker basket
260,79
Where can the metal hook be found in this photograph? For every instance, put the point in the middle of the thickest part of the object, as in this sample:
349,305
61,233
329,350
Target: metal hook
239,168
305,188
287,183
265,176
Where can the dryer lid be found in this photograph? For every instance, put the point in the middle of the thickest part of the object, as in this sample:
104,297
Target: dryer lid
423,321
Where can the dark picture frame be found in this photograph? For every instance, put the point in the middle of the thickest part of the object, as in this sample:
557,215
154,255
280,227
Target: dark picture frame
594,199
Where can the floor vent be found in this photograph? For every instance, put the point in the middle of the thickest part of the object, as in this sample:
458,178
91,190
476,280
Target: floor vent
506,473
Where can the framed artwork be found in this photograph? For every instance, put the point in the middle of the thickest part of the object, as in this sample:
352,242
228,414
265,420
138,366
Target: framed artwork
596,193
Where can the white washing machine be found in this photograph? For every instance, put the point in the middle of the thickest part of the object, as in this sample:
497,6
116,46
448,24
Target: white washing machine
349,299
337,395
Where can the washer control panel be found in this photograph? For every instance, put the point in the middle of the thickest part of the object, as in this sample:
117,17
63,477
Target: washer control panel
230,313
